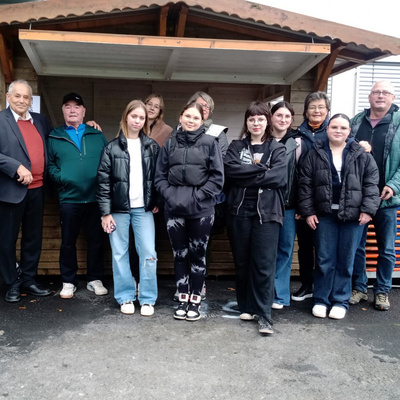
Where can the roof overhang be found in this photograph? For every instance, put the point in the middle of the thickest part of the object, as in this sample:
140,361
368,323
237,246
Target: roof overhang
54,53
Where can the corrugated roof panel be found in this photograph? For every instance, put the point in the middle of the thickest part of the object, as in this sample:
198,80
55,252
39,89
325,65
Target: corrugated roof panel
242,9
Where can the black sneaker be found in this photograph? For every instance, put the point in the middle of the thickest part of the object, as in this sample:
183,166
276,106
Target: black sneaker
305,292
181,311
264,326
193,310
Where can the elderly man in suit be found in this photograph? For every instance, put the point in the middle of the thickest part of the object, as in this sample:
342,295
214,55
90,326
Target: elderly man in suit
22,166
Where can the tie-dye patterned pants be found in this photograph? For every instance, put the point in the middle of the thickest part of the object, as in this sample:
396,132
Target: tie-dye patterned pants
189,240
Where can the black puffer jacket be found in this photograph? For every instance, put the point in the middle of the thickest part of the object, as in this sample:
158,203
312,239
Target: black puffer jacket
311,136
359,190
113,175
190,173
269,176
296,148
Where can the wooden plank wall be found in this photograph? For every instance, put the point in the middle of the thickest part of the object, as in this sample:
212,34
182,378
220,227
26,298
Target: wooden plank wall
220,259
105,101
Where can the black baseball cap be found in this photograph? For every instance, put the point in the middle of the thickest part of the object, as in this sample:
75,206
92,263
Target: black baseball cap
73,96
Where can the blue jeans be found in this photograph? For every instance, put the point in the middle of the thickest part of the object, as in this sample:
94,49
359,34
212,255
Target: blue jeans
284,259
385,223
143,228
336,243
305,241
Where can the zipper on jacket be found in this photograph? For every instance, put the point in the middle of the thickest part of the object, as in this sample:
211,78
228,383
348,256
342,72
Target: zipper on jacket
184,160
64,138
241,201
321,152
258,202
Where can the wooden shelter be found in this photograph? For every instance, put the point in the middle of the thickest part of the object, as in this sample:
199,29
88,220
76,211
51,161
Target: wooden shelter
111,51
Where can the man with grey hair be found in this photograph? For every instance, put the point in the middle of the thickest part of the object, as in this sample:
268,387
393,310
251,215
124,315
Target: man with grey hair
22,166
74,151
378,129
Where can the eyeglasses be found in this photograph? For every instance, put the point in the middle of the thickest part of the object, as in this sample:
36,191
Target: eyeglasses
205,106
151,105
259,121
319,108
381,92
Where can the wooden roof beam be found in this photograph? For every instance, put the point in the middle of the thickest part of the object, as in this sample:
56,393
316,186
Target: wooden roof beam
91,22
324,68
180,27
6,60
353,63
162,29
243,30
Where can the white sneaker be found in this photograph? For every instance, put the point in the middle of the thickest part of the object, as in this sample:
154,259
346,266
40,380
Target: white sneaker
147,310
246,316
319,311
337,312
277,306
97,287
67,291
128,307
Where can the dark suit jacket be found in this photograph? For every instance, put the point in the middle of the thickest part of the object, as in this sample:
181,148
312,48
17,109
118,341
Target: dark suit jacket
13,153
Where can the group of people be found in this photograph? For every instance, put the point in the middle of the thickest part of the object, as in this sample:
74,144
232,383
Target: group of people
325,181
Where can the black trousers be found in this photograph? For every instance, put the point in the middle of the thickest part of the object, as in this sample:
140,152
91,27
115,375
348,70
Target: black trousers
254,248
28,215
72,217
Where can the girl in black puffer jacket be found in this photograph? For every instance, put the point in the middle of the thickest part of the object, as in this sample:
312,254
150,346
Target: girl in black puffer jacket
338,194
189,176
126,196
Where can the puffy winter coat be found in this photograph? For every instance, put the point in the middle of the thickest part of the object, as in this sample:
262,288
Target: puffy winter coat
359,190
269,176
313,136
113,175
74,171
190,173
296,148
391,153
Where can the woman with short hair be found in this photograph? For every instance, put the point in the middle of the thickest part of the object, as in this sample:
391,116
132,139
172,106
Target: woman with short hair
316,118
255,168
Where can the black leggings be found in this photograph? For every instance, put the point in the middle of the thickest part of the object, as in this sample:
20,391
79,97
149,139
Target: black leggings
189,240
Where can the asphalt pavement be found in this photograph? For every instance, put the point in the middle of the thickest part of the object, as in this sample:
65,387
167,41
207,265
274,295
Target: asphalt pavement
85,348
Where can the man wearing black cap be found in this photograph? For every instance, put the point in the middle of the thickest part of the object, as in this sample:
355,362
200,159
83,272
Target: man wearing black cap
74,152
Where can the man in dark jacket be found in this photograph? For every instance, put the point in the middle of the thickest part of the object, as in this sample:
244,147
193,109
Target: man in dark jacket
74,153
22,165
378,128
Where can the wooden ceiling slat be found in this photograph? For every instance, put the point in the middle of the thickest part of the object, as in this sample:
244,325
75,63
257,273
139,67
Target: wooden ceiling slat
55,36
